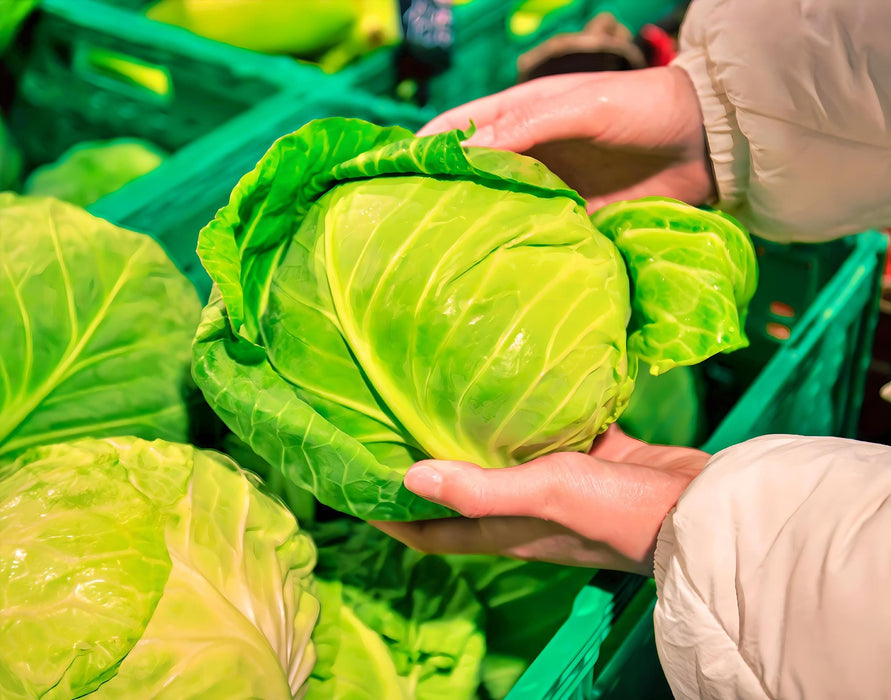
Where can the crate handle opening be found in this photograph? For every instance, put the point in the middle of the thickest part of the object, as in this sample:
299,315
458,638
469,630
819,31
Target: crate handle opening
140,78
782,309
778,331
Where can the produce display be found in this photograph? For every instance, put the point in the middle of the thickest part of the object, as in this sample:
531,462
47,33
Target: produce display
183,491
381,298
528,15
346,237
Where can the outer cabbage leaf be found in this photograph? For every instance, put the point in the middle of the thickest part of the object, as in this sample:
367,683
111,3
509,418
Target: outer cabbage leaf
299,501
90,170
693,274
163,572
95,324
389,297
525,604
421,607
375,571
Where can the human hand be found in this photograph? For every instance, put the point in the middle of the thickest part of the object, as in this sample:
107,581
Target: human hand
602,509
609,136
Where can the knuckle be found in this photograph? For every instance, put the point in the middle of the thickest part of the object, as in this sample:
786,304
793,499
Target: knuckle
560,484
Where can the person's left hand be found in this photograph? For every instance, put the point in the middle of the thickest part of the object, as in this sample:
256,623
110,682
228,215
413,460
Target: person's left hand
602,509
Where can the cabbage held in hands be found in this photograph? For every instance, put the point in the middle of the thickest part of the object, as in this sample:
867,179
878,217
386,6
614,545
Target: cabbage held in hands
381,298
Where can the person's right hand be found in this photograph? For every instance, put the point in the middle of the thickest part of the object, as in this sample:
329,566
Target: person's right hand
609,136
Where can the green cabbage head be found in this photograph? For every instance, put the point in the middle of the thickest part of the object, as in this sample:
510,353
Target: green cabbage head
381,298
133,569
95,325
89,170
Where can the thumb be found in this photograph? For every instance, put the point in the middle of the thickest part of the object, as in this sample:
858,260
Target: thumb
474,492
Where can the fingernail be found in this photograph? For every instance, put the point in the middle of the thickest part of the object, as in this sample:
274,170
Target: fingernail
424,481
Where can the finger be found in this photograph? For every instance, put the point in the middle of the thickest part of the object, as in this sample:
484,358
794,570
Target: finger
487,110
688,183
547,109
481,112
477,493
601,500
517,537
614,445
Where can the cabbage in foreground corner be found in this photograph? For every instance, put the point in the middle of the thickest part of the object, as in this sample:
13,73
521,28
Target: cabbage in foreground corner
380,298
134,569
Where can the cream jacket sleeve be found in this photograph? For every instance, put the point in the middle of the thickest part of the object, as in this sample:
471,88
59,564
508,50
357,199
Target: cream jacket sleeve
774,574
796,97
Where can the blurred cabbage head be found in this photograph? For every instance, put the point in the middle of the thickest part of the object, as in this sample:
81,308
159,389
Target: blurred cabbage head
381,298
134,569
88,171
95,325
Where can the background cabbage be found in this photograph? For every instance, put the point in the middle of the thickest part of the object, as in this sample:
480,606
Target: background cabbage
381,298
90,170
395,624
133,569
399,624
95,327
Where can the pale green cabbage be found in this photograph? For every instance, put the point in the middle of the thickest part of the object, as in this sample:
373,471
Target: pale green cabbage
95,326
133,569
90,170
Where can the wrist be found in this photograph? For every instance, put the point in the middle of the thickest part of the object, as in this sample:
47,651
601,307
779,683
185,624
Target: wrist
726,150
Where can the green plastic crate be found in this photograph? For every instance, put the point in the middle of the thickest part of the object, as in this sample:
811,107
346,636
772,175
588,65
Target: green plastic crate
479,34
176,200
810,384
634,14
72,82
